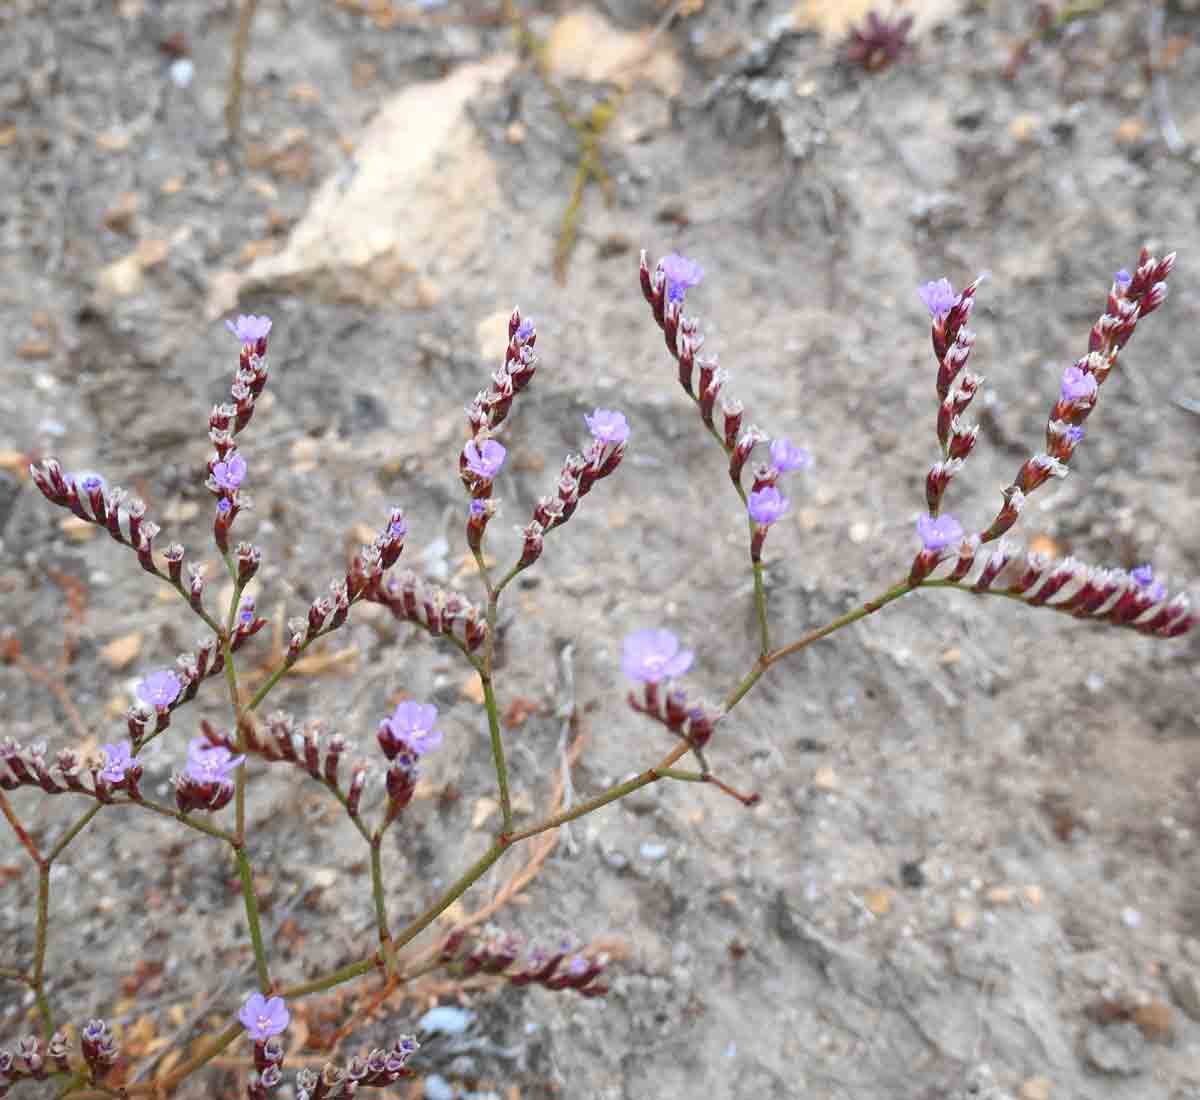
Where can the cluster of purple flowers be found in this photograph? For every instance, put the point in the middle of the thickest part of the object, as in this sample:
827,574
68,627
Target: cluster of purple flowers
205,782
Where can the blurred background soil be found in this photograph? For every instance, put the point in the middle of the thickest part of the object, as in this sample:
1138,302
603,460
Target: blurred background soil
974,869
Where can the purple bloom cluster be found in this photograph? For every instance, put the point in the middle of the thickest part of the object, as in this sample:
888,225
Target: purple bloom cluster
1078,384
263,1017
485,460
118,760
939,297
767,505
250,329
785,457
653,655
410,727
160,689
230,473
682,274
208,763
1144,576
938,533
608,426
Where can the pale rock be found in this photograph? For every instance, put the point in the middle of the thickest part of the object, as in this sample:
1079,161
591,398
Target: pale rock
411,215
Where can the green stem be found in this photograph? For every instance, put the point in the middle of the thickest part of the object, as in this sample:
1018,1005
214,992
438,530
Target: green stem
381,921
182,818
489,702
72,833
319,985
760,606
39,950
682,774
620,790
251,904
473,874
768,659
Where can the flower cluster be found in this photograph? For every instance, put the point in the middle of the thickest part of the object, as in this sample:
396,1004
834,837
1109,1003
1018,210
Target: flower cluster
465,956
404,738
378,1068
205,782
653,657
311,749
37,1061
441,612
1130,298
610,432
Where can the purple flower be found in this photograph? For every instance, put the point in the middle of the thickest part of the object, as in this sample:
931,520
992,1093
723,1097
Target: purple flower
263,1018
411,724
250,329
938,533
398,528
608,426
477,508
1144,576
118,759
1122,278
89,481
1077,383
246,612
767,505
682,274
939,297
208,763
223,505
484,462
160,689
785,457
654,655
1075,433
524,330
230,474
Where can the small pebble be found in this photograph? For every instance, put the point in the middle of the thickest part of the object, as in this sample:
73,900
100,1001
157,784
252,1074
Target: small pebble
182,71
438,1088
1036,1088
446,1020
1131,918
653,852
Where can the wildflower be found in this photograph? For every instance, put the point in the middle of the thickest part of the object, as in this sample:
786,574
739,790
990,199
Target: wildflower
939,298
1144,576
1122,279
1075,433
1077,384
682,274
246,612
223,505
879,41
208,763
524,330
785,457
263,1017
160,689
230,473
90,482
608,426
410,726
938,533
250,329
484,461
654,655
477,509
767,505
118,759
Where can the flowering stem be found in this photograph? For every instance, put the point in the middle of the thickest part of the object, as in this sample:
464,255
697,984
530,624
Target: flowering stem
39,951
620,790
251,903
385,937
72,833
768,659
760,605
473,874
489,702
182,818
319,985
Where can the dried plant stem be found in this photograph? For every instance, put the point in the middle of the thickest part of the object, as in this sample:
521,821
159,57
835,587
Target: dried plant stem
25,839
241,40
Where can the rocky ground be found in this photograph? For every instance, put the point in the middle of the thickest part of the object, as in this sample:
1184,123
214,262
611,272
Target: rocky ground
973,872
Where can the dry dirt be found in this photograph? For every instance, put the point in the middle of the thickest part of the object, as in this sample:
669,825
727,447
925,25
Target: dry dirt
973,872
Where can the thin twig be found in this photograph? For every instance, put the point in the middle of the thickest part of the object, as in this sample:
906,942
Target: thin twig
241,40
